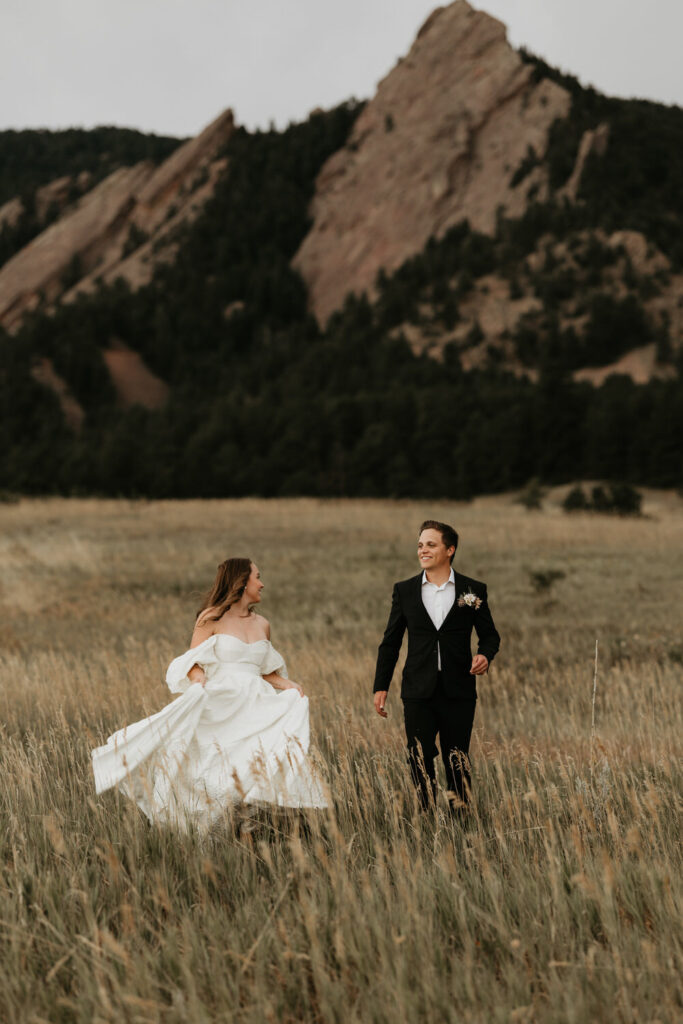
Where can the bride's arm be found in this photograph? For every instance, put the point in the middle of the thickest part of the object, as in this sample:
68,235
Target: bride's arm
197,675
280,683
202,631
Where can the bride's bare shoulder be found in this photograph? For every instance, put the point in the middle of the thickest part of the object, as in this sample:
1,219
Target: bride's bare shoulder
205,616
263,623
204,627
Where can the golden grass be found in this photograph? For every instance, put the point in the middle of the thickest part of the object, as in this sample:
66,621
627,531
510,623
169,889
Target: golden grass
561,902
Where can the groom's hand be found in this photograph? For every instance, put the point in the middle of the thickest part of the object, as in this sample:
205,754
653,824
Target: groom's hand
380,701
480,663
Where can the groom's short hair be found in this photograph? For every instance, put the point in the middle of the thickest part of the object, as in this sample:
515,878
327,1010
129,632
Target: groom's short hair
448,534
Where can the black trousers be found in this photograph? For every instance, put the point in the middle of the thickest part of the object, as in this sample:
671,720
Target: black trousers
452,719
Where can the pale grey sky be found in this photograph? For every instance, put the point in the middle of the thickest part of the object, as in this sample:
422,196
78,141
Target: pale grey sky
171,66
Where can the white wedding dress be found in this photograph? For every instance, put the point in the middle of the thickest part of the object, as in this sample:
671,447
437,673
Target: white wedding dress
235,740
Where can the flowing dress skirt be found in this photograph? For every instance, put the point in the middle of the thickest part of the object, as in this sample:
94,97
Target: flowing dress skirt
235,740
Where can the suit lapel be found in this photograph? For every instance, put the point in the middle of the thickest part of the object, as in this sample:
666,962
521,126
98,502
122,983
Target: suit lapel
417,599
454,609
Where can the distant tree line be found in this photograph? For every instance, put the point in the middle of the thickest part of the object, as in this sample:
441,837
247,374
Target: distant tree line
619,499
33,157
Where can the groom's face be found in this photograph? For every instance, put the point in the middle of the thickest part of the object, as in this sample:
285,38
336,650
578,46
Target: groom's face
432,552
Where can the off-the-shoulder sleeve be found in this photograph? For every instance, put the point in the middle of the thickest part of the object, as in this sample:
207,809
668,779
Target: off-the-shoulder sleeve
273,662
203,654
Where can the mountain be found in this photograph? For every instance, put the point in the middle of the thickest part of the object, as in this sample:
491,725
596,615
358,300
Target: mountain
439,143
480,268
466,128
42,171
120,228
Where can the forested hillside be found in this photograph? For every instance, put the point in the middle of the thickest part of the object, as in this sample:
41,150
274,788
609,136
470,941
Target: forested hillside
33,158
639,183
264,401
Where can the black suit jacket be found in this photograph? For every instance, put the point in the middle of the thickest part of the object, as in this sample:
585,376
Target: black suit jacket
421,667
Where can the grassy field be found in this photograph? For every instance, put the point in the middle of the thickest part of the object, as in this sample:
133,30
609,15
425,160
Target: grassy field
562,900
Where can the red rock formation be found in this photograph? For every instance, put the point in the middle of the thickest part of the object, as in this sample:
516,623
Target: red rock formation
138,267
11,212
594,140
81,237
55,193
44,373
91,239
134,382
440,142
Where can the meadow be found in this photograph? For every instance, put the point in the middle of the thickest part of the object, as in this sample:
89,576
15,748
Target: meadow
559,902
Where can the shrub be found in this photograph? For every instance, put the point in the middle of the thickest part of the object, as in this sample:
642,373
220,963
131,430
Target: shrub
532,495
575,500
543,579
600,501
617,499
626,500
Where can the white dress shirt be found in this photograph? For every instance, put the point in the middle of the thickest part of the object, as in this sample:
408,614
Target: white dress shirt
438,601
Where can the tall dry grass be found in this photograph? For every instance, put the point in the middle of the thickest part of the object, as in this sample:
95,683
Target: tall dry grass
560,902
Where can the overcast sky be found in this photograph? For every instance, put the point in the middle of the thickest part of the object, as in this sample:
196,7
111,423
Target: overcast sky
170,66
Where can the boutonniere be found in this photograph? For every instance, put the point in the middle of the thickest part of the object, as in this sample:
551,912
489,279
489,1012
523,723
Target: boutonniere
469,600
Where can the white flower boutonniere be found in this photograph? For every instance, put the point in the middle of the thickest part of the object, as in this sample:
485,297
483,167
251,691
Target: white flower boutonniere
469,600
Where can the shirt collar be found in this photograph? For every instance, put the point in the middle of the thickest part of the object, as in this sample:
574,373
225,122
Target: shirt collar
451,579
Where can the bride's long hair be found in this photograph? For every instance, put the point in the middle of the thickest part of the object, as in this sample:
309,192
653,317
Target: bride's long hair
232,576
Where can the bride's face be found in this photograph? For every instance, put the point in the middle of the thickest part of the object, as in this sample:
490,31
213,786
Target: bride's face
254,586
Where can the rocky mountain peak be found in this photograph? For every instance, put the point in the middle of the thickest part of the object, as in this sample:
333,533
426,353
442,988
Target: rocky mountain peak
440,142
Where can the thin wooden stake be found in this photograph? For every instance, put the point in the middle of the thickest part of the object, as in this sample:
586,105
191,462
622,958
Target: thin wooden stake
595,689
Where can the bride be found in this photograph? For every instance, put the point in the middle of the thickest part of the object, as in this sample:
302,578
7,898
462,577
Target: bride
240,730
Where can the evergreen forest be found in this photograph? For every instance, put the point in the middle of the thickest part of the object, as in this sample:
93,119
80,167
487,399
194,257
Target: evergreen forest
265,402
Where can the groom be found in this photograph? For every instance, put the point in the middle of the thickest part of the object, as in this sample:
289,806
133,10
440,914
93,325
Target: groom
439,607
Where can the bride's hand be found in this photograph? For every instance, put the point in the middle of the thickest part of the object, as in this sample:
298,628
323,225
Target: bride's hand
291,685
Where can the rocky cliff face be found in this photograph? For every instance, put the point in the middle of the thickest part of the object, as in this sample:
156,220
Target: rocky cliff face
497,311
440,142
120,228
10,212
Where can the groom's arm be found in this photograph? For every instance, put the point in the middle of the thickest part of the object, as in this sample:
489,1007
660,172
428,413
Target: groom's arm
389,649
489,637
